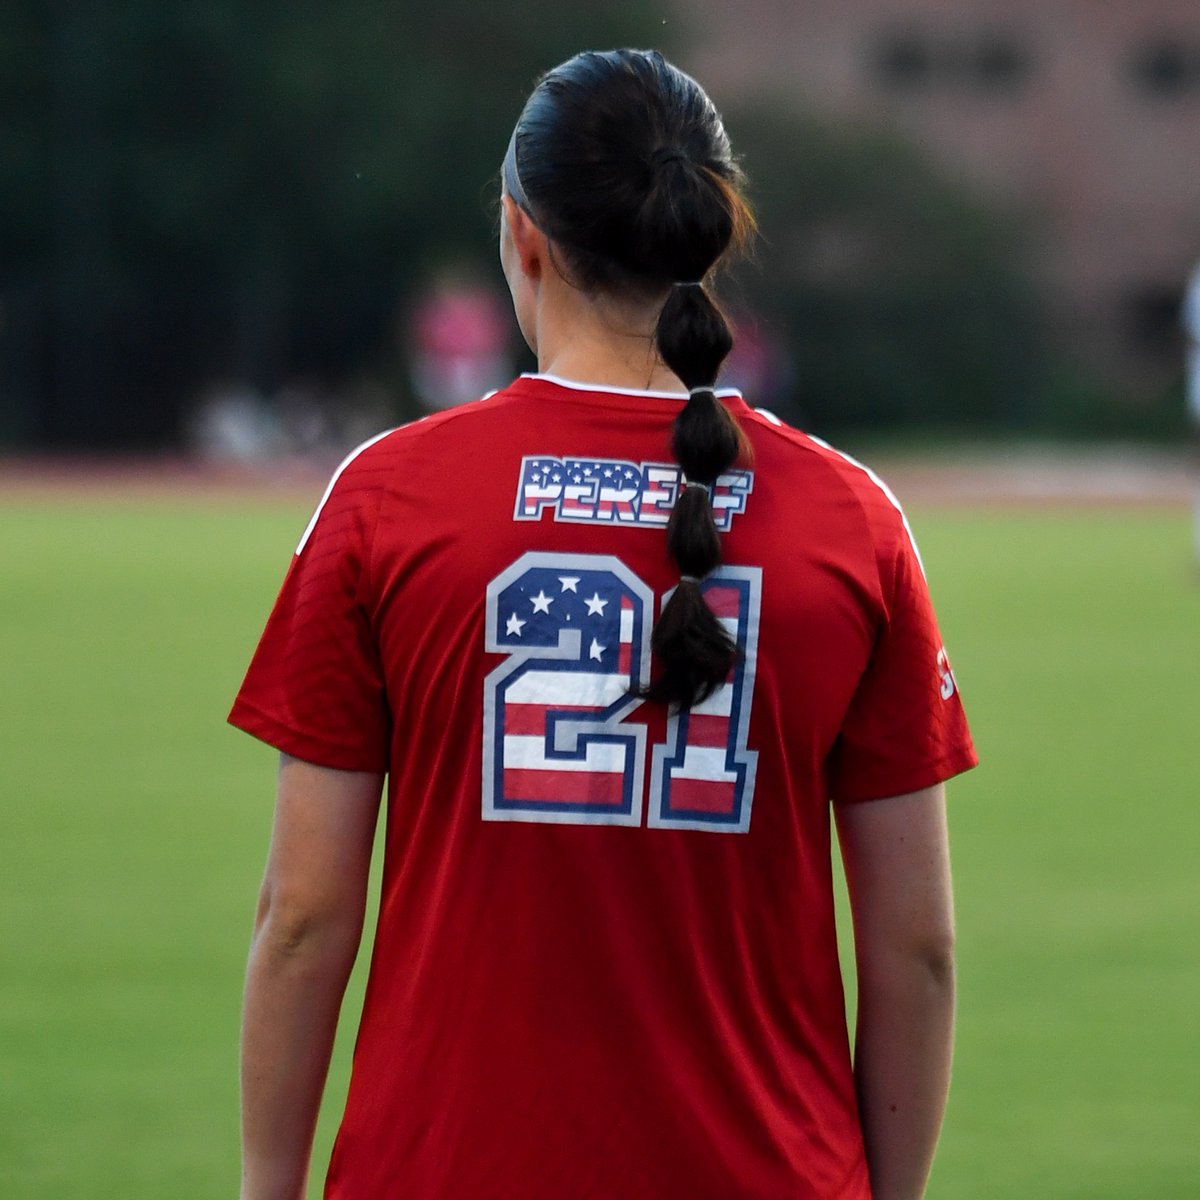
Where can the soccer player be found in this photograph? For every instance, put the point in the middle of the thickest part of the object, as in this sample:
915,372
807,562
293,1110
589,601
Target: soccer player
625,649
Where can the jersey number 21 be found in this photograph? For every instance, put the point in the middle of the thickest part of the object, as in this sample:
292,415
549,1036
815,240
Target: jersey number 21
558,742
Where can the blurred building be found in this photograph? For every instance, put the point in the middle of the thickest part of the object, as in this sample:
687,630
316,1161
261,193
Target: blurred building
1084,113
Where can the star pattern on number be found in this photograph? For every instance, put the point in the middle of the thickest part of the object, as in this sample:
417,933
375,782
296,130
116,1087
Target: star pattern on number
536,609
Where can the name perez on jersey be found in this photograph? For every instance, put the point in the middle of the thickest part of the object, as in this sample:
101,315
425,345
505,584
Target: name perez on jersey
602,491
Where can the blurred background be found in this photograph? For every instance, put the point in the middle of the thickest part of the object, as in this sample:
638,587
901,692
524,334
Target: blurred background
250,230
237,239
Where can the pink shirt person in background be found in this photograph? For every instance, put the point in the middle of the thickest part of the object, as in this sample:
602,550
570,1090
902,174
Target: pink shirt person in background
459,343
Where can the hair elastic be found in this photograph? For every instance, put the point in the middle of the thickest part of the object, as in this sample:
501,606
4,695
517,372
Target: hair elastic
691,483
688,579
667,154
704,387
688,283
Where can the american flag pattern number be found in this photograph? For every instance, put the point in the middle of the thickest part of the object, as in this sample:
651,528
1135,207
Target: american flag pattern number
703,777
558,744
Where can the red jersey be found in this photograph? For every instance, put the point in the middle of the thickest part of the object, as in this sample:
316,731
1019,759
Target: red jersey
605,963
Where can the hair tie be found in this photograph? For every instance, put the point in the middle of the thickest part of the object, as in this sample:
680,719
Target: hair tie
688,283
704,388
667,154
691,483
689,579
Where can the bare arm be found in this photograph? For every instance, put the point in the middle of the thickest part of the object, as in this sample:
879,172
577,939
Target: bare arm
898,872
306,935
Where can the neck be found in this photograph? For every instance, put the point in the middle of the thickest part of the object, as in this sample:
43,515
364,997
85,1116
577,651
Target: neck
576,363
596,340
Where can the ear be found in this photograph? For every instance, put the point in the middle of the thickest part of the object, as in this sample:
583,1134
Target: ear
528,240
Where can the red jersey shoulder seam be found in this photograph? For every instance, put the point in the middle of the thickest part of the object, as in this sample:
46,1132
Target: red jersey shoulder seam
362,458
334,479
863,485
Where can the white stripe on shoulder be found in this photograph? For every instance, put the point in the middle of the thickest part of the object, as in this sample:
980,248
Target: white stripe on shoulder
883,487
766,412
332,483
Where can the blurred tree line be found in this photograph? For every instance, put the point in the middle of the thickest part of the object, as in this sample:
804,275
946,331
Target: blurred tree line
199,191
222,191
904,301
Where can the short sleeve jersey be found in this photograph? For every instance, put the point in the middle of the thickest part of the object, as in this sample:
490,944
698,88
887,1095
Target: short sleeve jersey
605,963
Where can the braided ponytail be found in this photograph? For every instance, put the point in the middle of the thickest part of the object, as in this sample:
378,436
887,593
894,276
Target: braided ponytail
694,651
623,162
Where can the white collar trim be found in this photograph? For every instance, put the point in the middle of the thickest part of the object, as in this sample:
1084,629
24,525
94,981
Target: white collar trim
576,386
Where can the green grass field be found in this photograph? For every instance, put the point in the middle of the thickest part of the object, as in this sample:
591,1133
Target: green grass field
134,825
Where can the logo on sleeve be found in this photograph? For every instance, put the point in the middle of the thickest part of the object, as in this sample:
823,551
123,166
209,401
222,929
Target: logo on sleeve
606,491
945,675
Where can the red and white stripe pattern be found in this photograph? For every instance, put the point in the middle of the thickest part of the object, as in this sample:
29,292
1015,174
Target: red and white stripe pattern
538,711
702,782
703,775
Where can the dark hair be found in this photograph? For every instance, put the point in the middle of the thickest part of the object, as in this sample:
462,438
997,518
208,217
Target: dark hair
623,162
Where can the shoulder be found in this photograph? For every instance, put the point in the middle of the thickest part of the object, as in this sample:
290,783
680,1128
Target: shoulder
354,486
385,449
833,476
364,476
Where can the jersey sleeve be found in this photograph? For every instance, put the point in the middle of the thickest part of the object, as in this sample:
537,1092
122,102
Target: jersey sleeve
905,728
315,686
